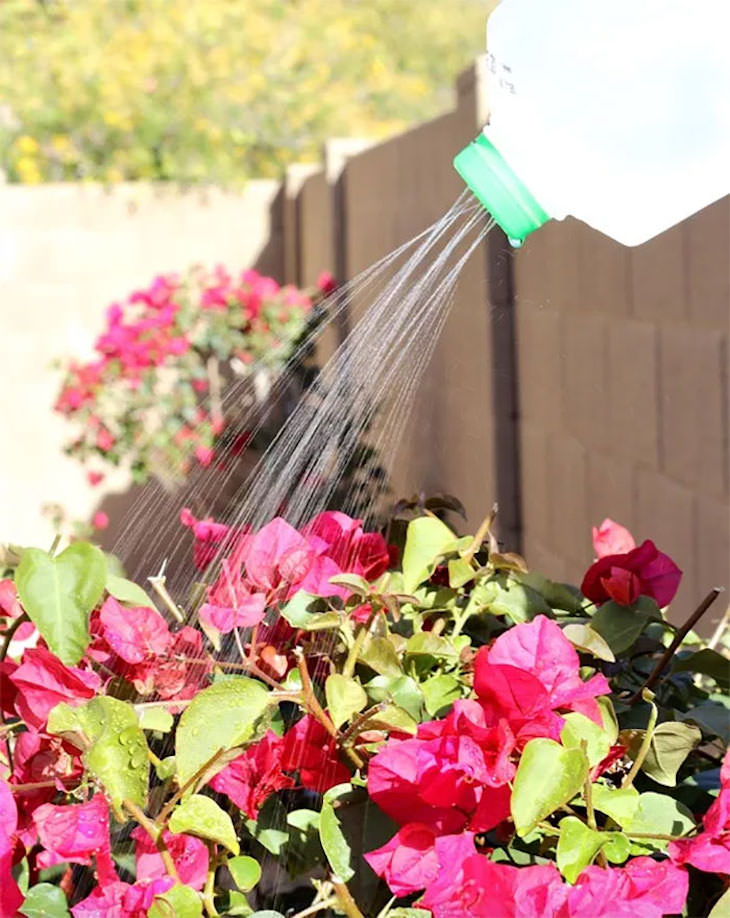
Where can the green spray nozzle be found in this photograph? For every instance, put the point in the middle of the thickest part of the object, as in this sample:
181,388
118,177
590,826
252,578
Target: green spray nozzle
493,182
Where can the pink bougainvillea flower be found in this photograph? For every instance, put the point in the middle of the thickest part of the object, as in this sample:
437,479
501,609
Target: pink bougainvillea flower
611,538
312,752
37,759
208,535
469,885
94,478
326,283
189,854
178,673
408,862
100,520
104,440
43,681
710,850
10,895
249,780
352,550
643,888
506,692
122,900
540,648
277,555
451,775
204,455
134,634
11,608
249,611
76,833
643,571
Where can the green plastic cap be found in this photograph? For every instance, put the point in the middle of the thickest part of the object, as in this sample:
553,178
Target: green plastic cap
486,172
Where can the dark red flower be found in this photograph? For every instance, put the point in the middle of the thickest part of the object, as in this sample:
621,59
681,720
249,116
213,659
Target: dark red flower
644,571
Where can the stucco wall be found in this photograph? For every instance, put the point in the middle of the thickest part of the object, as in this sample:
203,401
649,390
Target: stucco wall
66,252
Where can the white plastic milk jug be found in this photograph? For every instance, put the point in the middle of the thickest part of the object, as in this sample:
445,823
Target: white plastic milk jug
614,111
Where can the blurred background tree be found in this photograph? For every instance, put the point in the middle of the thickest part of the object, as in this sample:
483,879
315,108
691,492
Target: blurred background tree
216,90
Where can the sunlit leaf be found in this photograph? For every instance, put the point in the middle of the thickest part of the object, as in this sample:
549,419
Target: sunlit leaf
201,816
58,593
547,777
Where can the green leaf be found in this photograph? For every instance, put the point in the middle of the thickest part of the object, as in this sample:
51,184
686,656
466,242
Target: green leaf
270,828
670,745
333,839
220,717
616,847
440,692
245,870
117,753
178,902
426,643
158,719
238,905
547,777
619,625
709,663
658,814
353,582
379,654
579,728
298,612
460,572
345,697
507,595
201,816
407,913
426,540
394,718
166,768
45,901
577,846
587,639
127,591
59,593
402,690
619,803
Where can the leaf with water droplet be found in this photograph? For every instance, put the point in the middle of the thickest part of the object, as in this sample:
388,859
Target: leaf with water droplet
58,593
44,901
201,816
115,748
220,717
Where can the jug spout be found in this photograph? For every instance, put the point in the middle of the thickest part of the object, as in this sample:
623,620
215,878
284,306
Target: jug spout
499,189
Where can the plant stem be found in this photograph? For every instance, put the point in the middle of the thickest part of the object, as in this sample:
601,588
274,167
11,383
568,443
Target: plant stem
9,634
645,743
349,668
347,903
676,641
155,833
315,709
354,729
591,817
316,907
164,813
209,890
158,584
483,531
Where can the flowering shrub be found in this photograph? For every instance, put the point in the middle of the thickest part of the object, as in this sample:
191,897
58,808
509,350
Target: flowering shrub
209,90
412,730
164,351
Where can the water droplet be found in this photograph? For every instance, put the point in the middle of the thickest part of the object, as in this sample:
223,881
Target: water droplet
515,243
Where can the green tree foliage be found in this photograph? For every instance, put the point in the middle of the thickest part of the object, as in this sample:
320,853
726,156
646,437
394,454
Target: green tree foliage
216,90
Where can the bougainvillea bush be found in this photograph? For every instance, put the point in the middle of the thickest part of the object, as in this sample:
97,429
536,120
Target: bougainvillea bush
152,397
344,726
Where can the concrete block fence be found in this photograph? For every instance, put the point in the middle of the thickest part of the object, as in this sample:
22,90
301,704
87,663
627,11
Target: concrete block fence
574,379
